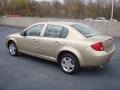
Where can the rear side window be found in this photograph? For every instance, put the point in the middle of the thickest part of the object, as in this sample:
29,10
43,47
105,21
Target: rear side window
85,30
64,33
56,31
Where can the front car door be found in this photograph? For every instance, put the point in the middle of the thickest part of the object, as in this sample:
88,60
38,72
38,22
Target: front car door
30,42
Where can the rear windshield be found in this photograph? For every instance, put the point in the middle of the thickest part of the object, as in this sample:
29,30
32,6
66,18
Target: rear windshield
87,31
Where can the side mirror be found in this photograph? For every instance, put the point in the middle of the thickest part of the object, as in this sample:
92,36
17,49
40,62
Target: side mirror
23,33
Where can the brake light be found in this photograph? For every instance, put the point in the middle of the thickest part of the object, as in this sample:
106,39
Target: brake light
98,46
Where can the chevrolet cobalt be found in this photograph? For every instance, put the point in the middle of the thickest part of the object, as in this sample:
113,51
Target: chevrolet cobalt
70,44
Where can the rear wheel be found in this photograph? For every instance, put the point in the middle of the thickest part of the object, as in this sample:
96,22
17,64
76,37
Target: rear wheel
13,49
69,63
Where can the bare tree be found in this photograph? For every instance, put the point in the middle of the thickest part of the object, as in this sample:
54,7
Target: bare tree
67,9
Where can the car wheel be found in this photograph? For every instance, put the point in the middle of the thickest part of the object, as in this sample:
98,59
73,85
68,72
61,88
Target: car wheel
69,63
13,49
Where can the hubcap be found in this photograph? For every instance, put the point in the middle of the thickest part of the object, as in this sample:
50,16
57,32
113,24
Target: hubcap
12,49
68,64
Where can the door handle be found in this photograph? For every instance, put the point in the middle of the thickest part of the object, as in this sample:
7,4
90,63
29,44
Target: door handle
35,40
57,43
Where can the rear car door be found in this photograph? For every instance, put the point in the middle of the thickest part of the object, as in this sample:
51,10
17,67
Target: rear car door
53,39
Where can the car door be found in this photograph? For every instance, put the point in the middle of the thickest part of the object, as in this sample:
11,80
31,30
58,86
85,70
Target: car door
52,40
30,42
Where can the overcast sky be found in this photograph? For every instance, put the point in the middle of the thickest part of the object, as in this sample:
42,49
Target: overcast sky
84,0
47,0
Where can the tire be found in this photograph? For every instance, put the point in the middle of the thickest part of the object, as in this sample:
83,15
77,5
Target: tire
69,63
13,49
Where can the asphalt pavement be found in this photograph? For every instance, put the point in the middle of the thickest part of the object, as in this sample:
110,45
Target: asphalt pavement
29,73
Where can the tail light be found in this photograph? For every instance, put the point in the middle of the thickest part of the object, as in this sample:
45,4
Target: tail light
98,46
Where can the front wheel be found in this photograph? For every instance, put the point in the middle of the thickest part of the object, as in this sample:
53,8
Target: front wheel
69,63
13,49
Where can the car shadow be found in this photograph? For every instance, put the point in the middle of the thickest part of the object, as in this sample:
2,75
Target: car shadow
82,71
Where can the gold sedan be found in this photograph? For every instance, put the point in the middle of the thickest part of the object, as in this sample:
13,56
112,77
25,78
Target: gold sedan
70,44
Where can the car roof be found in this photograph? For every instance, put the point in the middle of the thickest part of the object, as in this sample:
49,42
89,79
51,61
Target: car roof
59,23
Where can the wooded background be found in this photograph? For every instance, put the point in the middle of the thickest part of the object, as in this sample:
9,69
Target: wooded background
66,9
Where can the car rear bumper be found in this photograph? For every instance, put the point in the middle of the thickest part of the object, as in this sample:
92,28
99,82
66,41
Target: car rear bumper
93,58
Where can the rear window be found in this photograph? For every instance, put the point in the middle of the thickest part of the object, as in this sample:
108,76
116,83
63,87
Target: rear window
87,31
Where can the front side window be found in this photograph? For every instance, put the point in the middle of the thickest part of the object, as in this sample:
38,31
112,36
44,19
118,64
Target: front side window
85,30
53,31
35,30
